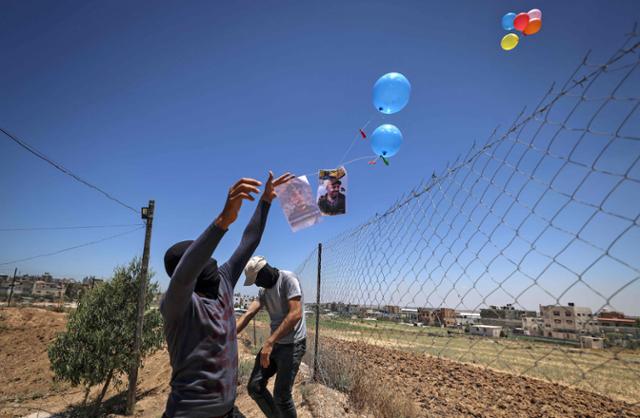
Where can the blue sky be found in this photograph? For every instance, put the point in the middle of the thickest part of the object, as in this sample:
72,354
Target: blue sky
174,101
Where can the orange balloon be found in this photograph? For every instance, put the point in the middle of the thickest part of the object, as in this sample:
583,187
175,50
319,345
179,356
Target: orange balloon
521,21
533,26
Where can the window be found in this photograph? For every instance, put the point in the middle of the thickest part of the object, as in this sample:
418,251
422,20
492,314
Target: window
556,313
569,321
548,325
567,313
557,321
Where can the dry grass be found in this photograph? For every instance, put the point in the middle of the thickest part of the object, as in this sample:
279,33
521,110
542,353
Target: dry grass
366,393
612,372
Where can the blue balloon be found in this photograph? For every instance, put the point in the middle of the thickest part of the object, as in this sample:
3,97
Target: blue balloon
386,140
391,93
507,21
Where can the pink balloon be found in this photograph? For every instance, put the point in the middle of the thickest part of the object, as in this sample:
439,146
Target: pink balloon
535,14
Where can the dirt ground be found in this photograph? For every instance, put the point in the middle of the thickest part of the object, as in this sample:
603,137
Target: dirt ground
443,387
439,387
27,388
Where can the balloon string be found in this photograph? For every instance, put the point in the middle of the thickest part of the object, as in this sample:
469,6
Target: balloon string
353,142
366,157
355,138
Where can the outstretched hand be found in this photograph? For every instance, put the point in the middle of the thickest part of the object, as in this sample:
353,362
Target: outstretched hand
270,188
237,193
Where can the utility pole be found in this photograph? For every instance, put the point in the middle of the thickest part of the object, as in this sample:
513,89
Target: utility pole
13,282
147,215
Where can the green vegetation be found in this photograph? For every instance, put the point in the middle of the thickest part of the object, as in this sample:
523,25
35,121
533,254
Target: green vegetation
97,347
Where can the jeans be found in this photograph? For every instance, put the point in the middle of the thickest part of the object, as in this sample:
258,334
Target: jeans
284,362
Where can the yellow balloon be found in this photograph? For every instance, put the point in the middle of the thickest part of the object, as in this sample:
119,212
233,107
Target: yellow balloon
509,41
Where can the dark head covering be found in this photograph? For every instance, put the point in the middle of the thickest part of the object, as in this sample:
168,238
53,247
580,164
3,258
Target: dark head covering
208,280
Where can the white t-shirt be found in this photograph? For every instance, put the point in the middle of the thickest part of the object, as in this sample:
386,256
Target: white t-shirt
276,300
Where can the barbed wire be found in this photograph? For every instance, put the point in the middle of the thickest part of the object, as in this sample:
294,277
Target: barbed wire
543,219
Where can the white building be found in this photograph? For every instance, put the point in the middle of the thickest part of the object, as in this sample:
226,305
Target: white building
492,331
467,318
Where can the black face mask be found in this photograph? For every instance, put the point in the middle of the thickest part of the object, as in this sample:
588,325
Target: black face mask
267,277
207,282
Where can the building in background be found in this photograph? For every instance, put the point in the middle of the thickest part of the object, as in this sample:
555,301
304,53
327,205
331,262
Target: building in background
566,322
532,326
409,315
614,319
437,317
506,316
594,343
48,289
491,331
45,287
467,318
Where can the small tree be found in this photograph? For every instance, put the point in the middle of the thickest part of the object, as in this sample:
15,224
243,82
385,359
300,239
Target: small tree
97,347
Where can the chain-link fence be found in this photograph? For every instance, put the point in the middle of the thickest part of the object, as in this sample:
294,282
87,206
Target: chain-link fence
520,257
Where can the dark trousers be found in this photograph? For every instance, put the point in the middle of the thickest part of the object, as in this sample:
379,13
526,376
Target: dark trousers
284,363
234,413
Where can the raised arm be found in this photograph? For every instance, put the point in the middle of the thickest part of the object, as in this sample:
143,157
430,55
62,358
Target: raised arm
253,232
183,279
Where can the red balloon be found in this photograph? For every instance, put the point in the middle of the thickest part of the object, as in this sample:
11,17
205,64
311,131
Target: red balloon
521,21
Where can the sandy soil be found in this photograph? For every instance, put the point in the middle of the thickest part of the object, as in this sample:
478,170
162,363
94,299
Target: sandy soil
438,387
27,388
443,387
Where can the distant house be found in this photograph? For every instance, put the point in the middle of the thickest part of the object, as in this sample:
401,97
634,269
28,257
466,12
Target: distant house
439,317
532,326
391,309
467,318
594,343
492,331
506,316
48,289
614,319
566,322
391,312
409,314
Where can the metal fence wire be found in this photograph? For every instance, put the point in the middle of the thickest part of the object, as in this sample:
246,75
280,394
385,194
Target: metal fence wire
520,257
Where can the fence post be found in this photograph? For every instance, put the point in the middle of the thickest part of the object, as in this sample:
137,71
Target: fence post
255,340
315,347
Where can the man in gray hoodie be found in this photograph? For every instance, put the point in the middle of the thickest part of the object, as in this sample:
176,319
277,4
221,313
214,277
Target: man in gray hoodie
197,308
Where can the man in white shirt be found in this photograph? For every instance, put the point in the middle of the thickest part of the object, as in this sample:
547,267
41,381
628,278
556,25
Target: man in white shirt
281,294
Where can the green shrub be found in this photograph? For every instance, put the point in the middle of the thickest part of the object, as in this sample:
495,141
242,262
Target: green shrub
97,346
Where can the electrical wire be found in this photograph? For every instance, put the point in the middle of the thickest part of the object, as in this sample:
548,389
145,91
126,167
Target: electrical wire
58,228
66,171
86,244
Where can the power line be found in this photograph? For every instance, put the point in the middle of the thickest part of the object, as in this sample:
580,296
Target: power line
66,171
72,248
58,228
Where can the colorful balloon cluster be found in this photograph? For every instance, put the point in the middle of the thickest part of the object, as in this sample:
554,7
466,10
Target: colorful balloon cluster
528,23
390,95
